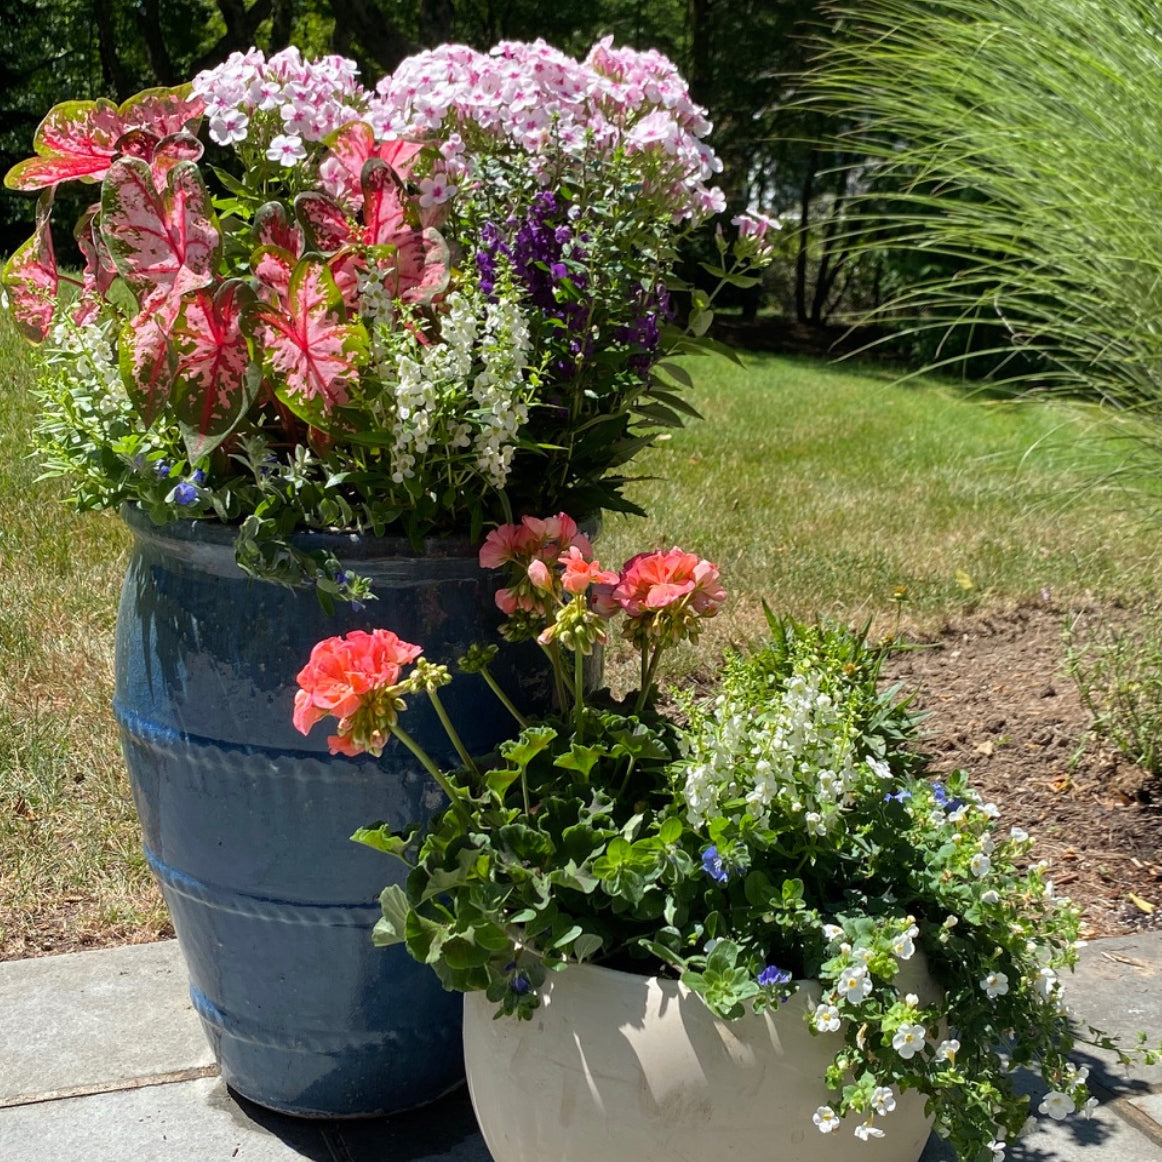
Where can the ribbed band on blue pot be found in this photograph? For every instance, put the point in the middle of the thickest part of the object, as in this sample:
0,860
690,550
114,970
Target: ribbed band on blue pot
246,822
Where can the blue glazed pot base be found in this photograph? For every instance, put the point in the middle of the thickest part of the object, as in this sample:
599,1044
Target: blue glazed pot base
246,823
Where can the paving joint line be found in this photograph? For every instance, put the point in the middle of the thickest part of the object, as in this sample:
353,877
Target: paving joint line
177,1076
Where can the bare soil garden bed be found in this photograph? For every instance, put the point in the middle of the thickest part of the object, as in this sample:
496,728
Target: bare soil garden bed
1002,707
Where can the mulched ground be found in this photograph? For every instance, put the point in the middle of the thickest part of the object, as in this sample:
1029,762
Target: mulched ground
1002,708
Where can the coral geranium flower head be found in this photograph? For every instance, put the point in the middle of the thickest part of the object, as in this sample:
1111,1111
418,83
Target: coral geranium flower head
665,594
581,573
346,676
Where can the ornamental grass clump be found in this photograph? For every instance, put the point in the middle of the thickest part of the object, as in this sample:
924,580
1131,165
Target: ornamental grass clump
779,832
307,304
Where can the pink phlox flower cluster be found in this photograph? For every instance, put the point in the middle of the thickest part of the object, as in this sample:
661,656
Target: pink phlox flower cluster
312,98
536,98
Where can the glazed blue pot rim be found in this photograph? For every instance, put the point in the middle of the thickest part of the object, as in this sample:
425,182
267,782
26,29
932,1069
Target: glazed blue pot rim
212,533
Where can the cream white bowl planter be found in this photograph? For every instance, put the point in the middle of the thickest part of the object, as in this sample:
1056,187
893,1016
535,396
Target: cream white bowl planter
621,1068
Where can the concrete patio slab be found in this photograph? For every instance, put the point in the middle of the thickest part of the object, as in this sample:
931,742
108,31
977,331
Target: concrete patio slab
95,1020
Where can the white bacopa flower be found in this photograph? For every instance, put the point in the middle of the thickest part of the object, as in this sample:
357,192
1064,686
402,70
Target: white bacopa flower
987,843
947,1050
826,1119
1018,834
909,1040
990,809
903,946
990,897
854,984
883,1101
996,984
1045,981
980,864
866,1130
833,932
1057,1105
826,1018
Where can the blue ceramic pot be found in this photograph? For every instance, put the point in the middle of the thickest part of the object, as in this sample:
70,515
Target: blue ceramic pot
246,822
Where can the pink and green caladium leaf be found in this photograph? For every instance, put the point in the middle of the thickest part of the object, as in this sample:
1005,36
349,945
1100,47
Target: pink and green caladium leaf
385,205
161,153
164,242
351,148
312,352
273,266
421,267
79,139
327,227
99,270
147,358
273,226
215,382
30,277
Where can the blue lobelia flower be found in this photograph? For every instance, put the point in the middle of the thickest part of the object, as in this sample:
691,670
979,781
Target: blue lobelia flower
773,975
713,866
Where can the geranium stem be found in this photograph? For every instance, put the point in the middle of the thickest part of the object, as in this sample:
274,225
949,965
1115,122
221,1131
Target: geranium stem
503,698
647,678
426,762
453,734
578,691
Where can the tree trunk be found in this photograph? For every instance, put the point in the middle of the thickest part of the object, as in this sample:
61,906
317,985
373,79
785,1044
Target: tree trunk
241,25
805,195
112,70
437,19
364,21
149,25
281,21
698,32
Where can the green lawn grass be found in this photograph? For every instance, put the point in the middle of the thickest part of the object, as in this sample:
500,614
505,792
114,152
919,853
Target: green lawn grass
822,489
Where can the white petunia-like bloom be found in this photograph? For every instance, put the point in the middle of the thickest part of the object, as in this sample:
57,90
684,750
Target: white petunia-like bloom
1087,1110
997,1146
826,1019
980,864
833,932
990,897
854,984
866,1130
909,1040
1018,834
826,1119
947,1050
996,984
879,768
883,1100
1057,1105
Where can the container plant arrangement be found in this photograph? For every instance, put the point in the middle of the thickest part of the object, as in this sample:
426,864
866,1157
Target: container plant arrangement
744,924
325,334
